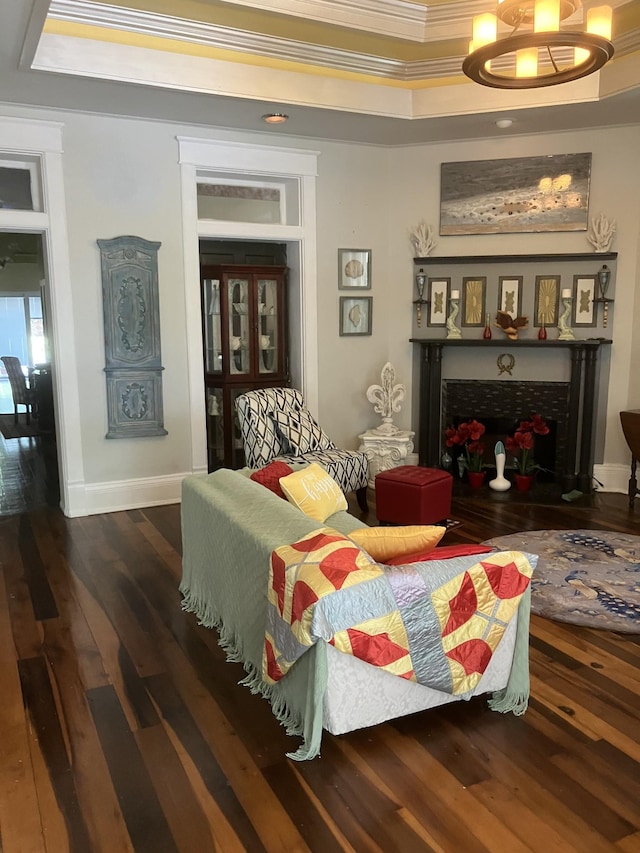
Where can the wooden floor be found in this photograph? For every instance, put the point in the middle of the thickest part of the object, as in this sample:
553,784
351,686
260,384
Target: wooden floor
123,728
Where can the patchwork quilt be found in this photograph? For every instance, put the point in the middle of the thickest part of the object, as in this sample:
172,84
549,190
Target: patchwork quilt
437,623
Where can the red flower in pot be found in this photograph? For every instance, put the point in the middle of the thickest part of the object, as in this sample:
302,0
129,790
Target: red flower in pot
467,437
521,444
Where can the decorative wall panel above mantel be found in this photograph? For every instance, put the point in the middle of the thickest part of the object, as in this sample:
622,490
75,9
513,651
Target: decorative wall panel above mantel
132,337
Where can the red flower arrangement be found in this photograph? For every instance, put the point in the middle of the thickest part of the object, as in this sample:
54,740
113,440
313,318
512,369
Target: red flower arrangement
467,436
522,442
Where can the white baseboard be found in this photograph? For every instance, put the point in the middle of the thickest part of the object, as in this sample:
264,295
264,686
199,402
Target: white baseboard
119,495
614,478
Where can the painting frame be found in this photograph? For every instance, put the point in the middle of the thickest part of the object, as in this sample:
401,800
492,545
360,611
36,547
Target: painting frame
354,269
583,308
352,324
510,294
474,301
515,195
547,300
439,293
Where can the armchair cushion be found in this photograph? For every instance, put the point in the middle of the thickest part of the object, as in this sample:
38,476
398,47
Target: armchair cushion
300,432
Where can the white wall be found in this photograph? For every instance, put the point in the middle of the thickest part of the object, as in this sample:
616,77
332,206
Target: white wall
122,177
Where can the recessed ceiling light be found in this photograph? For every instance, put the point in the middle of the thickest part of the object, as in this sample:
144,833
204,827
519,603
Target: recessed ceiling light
275,118
504,123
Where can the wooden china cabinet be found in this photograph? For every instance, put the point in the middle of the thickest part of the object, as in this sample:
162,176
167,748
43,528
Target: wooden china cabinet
245,347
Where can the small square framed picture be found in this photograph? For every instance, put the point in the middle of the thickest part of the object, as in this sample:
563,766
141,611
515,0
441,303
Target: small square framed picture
510,294
474,292
356,315
439,291
583,309
354,269
547,300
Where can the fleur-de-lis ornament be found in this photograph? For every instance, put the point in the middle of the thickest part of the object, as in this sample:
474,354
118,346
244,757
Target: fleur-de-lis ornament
387,398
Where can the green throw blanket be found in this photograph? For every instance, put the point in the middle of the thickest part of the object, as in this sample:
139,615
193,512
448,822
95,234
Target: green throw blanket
230,526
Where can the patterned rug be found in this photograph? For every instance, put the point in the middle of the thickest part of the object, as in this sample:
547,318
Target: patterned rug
586,577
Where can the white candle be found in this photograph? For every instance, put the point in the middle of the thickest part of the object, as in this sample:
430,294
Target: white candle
566,294
455,294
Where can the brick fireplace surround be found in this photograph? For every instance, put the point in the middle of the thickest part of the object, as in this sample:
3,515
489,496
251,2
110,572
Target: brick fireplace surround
570,404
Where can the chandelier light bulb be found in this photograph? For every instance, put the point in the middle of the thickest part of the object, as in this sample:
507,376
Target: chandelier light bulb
485,29
527,62
546,16
599,20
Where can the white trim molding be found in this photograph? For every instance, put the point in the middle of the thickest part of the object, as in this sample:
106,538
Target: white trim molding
44,139
198,156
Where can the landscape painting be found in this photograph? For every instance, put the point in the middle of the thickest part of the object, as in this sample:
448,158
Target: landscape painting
522,194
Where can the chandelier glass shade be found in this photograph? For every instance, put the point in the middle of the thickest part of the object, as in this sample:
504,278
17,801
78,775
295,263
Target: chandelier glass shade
537,52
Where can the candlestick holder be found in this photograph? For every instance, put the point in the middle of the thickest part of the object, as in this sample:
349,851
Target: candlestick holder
604,277
453,332
566,332
421,280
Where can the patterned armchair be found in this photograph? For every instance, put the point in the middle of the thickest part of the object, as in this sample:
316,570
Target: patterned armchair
20,391
275,424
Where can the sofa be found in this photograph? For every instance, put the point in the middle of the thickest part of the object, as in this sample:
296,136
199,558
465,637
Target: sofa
231,525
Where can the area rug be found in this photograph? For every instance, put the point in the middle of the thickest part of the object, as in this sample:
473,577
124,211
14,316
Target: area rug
10,429
586,577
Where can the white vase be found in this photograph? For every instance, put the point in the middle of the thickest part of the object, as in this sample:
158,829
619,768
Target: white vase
500,484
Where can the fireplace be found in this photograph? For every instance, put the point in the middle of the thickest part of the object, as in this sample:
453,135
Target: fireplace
570,406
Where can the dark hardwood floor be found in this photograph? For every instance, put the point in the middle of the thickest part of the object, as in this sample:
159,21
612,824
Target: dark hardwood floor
122,727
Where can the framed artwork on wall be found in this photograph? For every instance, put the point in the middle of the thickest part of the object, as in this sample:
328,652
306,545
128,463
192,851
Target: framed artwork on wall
356,315
547,299
354,269
438,296
583,311
474,293
510,294
517,195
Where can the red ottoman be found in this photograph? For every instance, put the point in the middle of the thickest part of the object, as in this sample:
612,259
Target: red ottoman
413,495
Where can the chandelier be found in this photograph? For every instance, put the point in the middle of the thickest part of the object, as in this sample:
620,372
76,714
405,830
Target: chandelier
537,52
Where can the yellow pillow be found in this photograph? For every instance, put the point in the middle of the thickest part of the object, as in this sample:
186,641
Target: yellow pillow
314,492
384,543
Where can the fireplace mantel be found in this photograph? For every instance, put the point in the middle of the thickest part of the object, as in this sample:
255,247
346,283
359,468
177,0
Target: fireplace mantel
512,259
584,356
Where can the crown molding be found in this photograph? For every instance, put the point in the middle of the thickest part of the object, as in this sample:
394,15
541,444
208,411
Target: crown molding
454,19
444,21
396,18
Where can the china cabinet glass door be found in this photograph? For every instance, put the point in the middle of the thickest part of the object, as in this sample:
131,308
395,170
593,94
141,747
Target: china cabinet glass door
238,296
268,326
212,328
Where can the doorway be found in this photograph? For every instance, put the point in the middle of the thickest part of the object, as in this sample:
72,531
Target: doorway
28,451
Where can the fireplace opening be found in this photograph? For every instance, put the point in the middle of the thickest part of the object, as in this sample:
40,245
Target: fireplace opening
498,429
500,406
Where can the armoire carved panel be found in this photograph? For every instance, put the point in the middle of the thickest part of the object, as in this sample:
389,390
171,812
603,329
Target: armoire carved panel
132,337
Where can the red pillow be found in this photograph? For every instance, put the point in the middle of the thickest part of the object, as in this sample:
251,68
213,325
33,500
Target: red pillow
442,553
269,476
